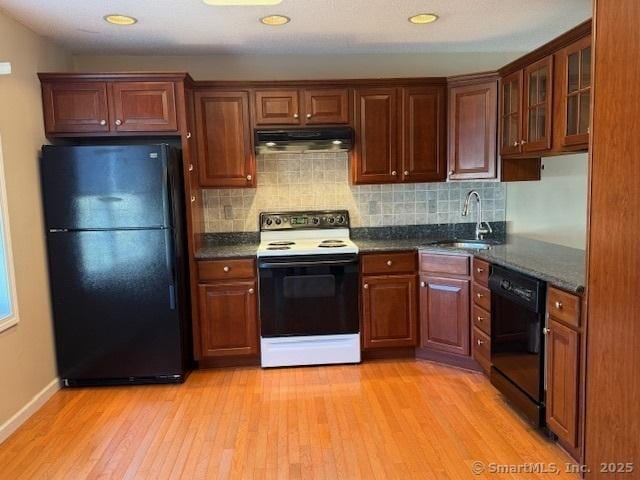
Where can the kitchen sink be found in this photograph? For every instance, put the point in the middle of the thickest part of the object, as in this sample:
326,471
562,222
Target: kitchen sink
471,244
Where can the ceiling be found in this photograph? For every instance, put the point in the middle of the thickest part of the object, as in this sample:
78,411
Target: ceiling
317,26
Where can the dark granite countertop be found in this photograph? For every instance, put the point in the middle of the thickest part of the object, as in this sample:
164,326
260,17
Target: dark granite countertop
228,245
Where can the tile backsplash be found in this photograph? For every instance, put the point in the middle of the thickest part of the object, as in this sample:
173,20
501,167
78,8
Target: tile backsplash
316,181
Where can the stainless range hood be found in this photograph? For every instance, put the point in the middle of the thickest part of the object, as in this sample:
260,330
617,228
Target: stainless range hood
301,140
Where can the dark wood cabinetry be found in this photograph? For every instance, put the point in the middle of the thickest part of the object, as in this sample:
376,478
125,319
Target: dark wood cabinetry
537,114
481,314
277,107
294,107
326,106
223,133
574,72
88,105
473,121
511,113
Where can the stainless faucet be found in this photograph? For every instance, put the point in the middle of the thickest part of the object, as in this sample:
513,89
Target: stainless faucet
480,230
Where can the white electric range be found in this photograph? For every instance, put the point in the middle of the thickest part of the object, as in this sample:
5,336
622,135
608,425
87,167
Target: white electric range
308,270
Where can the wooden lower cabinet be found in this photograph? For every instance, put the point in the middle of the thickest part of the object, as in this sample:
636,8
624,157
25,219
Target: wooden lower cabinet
389,311
228,319
563,350
444,314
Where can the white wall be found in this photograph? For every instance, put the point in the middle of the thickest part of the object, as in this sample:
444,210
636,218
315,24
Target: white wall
279,67
27,360
555,208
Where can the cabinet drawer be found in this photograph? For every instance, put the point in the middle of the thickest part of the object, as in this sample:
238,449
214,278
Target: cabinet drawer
563,306
226,269
482,297
481,272
481,346
451,264
388,263
482,319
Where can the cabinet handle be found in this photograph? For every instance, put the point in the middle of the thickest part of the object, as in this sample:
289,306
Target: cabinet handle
559,305
546,331
479,295
480,319
251,290
366,286
226,269
516,143
479,342
295,115
309,115
249,177
389,263
103,122
193,198
118,122
479,269
423,284
191,167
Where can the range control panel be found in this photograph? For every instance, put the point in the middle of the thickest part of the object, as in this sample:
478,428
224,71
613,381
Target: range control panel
301,220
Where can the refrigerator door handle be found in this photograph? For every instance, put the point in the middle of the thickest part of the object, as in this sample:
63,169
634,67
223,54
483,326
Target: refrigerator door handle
172,297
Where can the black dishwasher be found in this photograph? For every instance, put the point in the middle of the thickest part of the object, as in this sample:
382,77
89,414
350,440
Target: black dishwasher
517,341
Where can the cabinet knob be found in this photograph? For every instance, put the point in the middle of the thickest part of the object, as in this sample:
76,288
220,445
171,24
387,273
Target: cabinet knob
522,142
406,173
188,134
516,143
451,172
479,295
251,291
193,198
103,122
546,331
394,173
479,269
118,122
295,115
226,269
366,286
389,263
559,305
423,284
480,319
249,177
309,115
480,342
191,167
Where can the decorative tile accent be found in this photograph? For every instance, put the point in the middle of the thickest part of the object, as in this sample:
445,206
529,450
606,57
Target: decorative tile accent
316,181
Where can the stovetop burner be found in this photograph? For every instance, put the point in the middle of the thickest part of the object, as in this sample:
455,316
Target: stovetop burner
331,245
332,242
281,243
279,248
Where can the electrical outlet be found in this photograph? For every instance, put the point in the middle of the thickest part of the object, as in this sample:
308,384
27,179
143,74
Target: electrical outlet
228,212
5,68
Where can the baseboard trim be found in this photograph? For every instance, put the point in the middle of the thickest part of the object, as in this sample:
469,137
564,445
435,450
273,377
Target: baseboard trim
22,415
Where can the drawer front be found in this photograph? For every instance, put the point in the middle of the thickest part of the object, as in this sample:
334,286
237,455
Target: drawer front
563,306
481,272
481,345
226,269
383,263
482,319
482,297
451,264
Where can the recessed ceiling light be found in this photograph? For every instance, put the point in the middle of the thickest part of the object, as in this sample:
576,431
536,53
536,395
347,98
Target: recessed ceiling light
117,19
226,3
275,20
422,18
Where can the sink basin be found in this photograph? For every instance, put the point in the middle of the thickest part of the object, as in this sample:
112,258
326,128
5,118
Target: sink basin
471,244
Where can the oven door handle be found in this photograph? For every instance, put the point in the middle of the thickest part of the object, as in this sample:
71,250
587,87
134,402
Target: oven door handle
314,263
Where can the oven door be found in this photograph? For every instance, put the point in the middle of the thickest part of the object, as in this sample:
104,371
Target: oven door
309,295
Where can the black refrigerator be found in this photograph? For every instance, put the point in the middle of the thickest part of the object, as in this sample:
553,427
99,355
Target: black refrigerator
117,263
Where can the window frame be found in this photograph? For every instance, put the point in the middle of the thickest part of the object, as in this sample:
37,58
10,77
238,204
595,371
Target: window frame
13,318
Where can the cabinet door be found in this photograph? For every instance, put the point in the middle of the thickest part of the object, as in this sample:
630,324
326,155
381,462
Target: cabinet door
225,153
473,121
75,107
562,381
511,113
277,107
389,311
538,87
375,158
444,314
423,134
577,93
326,106
144,107
228,319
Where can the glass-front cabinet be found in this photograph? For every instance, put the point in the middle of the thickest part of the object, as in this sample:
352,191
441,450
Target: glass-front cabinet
577,79
538,109
511,114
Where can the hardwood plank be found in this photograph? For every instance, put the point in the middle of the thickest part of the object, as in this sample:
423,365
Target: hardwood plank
387,419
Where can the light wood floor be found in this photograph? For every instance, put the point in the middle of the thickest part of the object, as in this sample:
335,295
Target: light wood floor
380,420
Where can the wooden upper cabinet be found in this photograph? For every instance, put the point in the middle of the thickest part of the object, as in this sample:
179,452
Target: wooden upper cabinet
538,111
575,70
444,314
423,134
277,107
228,319
225,153
473,121
144,107
389,311
511,113
375,158
563,381
326,106
76,107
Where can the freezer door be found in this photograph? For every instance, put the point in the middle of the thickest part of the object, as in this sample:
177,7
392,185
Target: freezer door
114,304
105,187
